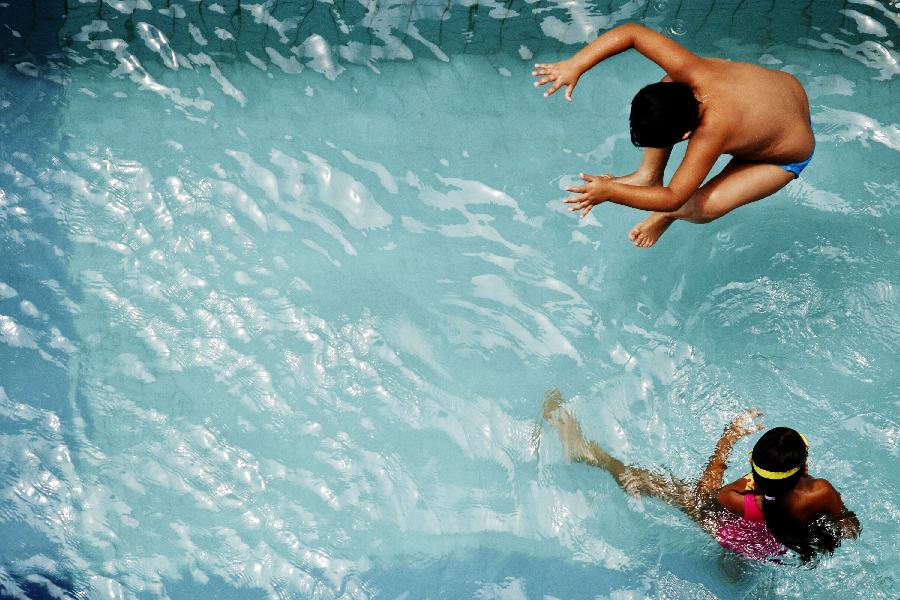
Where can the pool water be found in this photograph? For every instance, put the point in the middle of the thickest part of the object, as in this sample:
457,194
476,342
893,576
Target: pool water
284,284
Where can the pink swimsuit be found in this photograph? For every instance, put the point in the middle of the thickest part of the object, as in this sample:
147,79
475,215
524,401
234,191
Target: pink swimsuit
747,535
751,512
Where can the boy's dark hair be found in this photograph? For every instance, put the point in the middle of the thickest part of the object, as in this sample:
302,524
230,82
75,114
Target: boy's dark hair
661,113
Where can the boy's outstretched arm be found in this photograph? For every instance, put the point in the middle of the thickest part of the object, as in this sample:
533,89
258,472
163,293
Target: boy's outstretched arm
703,150
676,60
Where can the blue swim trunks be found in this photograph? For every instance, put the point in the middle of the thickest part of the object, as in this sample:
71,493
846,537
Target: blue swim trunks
797,167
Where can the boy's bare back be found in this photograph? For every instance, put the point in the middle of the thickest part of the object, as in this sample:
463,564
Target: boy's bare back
763,114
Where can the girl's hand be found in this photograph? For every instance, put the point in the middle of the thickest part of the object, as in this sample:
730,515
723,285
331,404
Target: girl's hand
744,425
563,73
590,194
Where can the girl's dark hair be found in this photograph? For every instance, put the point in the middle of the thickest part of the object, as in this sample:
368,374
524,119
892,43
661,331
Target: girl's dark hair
661,113
782,449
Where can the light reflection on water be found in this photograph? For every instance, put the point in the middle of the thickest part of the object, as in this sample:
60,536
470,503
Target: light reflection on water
281,296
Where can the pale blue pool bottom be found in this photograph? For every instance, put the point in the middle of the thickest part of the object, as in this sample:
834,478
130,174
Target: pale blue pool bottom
315,338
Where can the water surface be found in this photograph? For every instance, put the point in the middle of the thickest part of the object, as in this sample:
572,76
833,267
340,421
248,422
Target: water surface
284,284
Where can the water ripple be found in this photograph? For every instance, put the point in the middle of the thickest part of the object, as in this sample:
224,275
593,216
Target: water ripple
284,289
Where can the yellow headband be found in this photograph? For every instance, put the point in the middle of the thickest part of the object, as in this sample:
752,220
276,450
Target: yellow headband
774,474
778,474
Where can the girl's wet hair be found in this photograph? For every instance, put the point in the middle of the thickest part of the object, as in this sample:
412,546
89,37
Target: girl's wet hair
780,450
661,113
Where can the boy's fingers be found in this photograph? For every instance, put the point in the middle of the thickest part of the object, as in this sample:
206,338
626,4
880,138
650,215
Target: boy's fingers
579,202
569,89
585,212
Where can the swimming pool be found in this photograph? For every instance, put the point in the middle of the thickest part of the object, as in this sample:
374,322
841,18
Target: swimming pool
284,283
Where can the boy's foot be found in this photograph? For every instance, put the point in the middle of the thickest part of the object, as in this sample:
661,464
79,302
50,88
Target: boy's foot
645,233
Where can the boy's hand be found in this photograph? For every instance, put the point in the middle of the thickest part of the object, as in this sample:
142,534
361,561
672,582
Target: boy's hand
563,73
590,194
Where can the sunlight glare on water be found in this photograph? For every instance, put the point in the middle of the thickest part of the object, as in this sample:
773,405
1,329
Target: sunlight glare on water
284,285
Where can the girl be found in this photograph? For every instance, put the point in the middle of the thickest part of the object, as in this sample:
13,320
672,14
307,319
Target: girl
775,507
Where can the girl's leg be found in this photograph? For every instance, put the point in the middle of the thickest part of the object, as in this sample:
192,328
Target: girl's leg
634,480
739,183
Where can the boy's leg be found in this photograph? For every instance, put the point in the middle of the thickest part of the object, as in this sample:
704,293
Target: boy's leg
634,480
739,183
653,166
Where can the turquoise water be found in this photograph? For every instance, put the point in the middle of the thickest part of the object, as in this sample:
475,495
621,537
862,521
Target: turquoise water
283,286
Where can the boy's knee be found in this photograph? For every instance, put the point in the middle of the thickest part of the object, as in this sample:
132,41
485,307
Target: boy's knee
697,213
701,219
703,208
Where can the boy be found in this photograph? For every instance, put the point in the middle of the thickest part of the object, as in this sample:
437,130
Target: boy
759,117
